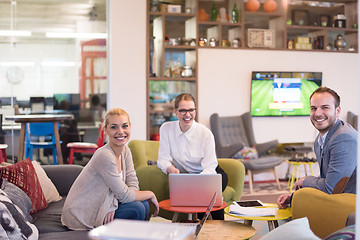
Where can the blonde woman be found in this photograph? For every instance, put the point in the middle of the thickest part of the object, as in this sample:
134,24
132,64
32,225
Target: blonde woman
107,188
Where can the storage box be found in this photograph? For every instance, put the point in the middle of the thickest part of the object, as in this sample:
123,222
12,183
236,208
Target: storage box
174,8
302,40
305,46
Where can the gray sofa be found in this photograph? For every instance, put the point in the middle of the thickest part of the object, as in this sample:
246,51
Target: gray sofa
48,221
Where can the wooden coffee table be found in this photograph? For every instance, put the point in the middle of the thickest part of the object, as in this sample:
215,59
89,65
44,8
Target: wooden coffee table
281,214
165,204
219,229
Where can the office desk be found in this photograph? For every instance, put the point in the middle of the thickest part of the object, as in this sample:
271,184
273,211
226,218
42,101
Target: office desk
54,118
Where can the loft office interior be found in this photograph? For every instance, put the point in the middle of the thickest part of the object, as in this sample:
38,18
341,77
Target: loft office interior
53,62
224,78
223,75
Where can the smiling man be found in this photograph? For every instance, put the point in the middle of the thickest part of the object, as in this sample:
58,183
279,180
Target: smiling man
335,147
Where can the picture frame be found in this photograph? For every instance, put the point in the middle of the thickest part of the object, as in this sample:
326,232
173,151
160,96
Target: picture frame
300,17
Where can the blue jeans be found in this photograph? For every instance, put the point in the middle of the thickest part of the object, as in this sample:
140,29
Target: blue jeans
134,210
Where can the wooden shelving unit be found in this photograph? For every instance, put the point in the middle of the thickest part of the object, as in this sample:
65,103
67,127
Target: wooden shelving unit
164,30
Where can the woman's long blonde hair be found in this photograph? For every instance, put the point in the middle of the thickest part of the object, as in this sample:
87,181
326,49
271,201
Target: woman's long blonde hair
112,112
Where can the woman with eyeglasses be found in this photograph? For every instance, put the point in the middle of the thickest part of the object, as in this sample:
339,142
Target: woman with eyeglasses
187,146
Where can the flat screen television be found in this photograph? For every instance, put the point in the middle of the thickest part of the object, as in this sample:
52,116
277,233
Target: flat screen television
282,93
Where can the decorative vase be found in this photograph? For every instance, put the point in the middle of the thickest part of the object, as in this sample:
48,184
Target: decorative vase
270,6
203,16
214,13
340,43
252,5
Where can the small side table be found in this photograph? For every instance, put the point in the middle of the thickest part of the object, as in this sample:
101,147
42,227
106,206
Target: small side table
219,229
294,176
272,220
165,204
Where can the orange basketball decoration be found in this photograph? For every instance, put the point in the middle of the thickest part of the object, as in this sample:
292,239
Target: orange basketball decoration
270,6
252,5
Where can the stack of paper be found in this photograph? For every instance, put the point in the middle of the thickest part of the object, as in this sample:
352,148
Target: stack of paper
252,211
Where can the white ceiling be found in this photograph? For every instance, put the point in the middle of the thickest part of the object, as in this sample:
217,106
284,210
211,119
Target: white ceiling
40,16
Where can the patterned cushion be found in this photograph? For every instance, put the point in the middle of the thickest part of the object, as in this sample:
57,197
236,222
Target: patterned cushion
13,224
347,233
246,153
19,198
23,175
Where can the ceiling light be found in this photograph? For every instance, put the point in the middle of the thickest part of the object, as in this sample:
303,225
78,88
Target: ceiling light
75,35
57,64
14,33
19,64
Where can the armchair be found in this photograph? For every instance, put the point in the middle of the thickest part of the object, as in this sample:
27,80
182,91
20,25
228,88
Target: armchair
352,119
233,133
327,213
152,178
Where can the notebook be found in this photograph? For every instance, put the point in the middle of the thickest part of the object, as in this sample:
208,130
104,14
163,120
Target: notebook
205,217
194,190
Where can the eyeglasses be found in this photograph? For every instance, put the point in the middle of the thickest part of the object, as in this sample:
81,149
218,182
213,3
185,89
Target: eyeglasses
184,111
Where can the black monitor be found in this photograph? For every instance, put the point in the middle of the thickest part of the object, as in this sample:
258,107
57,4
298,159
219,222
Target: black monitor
37,104
67,101
97,99
23,103
49,101
6,101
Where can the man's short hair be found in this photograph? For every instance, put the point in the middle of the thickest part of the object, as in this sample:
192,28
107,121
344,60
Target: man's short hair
330,91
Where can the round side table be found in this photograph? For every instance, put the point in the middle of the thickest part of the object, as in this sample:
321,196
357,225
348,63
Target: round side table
165,204
272,220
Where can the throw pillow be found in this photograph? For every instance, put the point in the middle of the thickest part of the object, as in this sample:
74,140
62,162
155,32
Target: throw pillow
347,233
247,153
23,175
298,229
50,192
13,225
18,197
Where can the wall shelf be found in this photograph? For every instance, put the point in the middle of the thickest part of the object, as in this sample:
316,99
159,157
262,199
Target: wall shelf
164,29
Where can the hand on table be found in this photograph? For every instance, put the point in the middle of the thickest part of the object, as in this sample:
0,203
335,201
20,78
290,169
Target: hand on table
284,200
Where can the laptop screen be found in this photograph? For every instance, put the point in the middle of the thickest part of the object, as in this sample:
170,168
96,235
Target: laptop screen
206,215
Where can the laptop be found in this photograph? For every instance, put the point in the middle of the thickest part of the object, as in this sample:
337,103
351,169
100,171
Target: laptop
141,230
205,217
194,190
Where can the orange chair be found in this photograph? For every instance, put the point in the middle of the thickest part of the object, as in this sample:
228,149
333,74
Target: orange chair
3,152
85,147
